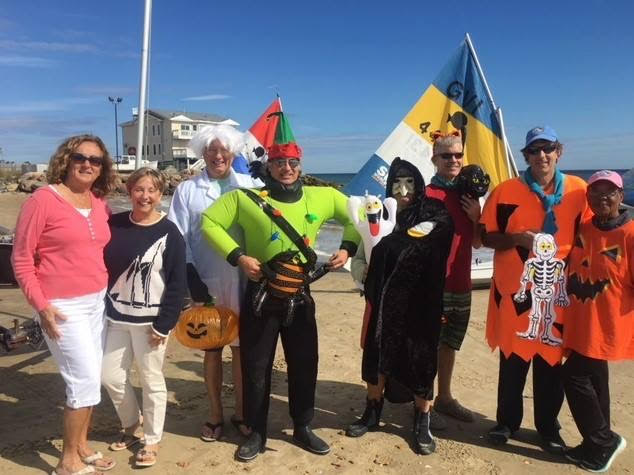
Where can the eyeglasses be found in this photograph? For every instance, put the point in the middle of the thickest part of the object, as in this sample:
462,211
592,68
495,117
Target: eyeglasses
550,148
449,156
212,152
597,195
281,162
80,158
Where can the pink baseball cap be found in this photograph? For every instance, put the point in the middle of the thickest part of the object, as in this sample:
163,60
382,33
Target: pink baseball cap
607,175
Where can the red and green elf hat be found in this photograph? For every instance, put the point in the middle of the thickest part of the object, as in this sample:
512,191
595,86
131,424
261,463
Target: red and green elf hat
284,145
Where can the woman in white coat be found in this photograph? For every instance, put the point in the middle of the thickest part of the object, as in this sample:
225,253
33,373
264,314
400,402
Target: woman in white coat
208,274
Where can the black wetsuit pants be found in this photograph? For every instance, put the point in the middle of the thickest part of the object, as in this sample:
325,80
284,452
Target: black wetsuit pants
586,381
548,393
258,340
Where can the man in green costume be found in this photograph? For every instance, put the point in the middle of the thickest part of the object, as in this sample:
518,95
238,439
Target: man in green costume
277,300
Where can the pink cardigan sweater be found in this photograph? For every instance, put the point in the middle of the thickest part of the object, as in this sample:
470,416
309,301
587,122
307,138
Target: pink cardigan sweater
57,252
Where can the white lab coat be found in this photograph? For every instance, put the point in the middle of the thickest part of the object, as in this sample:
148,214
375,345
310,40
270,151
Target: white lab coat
191,198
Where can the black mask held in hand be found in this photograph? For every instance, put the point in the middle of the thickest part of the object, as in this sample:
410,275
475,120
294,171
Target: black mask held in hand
473,181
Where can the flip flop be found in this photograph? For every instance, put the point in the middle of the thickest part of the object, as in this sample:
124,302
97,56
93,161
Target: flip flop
145,458
126,441
216,431
94,459
240,426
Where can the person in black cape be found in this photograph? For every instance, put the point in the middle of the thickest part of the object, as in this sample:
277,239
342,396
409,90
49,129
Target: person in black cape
404,288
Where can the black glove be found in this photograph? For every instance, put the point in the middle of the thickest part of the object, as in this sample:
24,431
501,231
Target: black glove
197,288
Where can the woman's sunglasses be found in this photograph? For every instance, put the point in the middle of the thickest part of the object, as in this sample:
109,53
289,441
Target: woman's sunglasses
550,148
79,158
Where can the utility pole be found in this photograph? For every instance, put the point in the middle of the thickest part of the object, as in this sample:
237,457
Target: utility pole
116,101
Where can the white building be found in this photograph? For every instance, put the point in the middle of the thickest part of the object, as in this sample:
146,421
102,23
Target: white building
167,133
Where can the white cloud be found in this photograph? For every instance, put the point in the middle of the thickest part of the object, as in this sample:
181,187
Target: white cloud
51,105
43,126
209,97
70,33
27,62
50,46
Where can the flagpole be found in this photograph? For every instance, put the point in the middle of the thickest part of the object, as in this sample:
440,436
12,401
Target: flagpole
477,63
147,25
509,153
498,110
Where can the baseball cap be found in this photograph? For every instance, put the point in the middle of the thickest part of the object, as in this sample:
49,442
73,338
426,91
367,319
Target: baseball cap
541,133
607,175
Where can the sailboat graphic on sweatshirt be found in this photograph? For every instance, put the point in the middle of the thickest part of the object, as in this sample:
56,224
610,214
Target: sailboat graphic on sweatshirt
139,289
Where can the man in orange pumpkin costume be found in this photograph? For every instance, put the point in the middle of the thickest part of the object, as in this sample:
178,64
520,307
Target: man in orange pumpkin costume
600,319
544,200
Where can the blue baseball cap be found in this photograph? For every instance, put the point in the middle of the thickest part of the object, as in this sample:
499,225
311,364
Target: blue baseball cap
541,133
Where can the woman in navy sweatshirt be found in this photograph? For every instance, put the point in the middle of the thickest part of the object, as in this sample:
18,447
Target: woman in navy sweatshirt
146,287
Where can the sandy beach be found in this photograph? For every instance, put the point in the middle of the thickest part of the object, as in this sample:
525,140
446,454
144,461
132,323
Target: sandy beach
32,398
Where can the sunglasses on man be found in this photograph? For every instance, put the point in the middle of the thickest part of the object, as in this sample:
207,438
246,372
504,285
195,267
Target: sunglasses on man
548,148
80,158
281,162
449,156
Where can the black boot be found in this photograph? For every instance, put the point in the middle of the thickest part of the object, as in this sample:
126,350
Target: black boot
306,439
424,443
251,447
369,420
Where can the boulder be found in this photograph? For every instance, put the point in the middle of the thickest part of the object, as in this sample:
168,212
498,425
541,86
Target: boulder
31,181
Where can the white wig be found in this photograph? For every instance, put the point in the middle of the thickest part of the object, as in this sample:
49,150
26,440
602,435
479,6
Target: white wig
230,138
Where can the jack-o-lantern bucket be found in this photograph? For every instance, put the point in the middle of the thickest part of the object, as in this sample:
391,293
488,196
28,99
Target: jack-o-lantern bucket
206,327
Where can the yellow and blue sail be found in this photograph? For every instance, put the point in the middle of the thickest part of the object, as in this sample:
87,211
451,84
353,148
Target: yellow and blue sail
456,100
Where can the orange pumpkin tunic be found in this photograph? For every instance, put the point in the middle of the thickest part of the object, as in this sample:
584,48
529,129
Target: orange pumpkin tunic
513,208
600,320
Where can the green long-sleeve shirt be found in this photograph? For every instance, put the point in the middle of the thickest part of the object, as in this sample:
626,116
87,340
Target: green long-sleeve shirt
263,239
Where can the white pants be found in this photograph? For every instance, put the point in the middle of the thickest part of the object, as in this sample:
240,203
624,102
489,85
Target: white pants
126,343
79,350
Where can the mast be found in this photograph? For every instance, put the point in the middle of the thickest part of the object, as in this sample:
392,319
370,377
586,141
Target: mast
509,154
147,25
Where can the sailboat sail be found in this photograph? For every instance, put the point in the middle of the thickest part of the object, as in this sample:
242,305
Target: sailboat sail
458,98
134,292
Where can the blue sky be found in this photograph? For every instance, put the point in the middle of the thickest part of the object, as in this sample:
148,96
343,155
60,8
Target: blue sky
347,71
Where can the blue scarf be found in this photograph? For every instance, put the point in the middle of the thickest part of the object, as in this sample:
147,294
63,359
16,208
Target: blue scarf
443,183
548,201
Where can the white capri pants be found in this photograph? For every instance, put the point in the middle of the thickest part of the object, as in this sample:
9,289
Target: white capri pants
126,343
79,350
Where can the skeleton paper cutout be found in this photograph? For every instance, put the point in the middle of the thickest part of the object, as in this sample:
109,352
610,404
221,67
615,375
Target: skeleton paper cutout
547,279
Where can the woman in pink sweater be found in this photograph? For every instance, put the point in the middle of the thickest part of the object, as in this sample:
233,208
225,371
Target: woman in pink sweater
58,262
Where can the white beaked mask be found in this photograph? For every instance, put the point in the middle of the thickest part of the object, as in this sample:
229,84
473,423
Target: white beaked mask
403,185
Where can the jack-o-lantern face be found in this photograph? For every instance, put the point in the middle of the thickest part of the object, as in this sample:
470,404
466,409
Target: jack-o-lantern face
196,331
592,276
206,327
